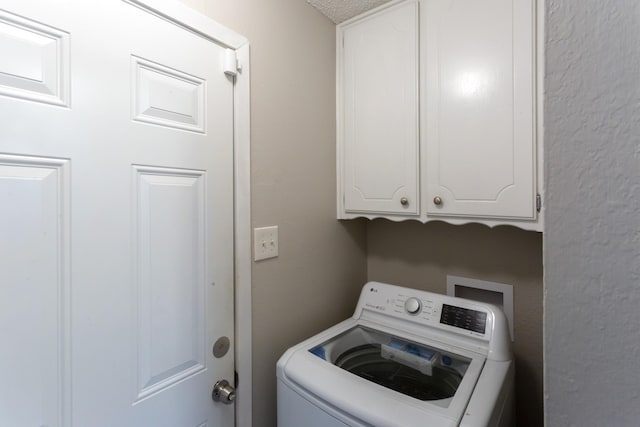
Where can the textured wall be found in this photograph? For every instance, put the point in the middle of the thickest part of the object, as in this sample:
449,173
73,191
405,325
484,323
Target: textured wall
422,255
592,238
316,280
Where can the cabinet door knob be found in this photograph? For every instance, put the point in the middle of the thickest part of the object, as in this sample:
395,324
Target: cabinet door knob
437,200
404,201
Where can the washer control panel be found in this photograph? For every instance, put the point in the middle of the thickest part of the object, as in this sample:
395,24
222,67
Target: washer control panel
442,311
471,320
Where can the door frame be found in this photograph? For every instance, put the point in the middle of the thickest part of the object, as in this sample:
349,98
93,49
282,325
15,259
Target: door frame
183,16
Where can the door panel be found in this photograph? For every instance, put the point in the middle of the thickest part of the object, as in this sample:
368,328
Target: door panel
170,262
167,97
34,64
34,303
132,127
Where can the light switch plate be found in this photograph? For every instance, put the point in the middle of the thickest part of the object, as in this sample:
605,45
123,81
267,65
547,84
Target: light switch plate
265,242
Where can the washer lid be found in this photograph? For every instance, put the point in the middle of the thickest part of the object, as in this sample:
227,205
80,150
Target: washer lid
363,369
420,371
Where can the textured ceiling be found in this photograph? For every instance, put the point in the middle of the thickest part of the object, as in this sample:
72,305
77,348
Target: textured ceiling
341,10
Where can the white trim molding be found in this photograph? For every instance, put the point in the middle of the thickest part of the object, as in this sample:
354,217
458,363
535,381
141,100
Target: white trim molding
242,155
189,19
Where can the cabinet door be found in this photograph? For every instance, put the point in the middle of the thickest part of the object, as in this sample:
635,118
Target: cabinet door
377,111
480,106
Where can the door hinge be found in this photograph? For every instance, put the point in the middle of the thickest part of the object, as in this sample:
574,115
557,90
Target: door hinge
231,65
538,202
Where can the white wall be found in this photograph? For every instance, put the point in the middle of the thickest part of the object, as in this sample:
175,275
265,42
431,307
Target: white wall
592,239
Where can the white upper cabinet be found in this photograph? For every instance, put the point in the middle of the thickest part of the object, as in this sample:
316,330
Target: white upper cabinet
378,112
437,112
479,108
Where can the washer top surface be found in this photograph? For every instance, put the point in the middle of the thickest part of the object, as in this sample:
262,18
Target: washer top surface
418,352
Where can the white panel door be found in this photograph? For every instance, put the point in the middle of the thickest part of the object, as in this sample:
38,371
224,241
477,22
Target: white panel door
379,112
116,218
479,108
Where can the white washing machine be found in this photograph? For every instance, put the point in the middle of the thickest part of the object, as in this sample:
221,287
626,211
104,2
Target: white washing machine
406,358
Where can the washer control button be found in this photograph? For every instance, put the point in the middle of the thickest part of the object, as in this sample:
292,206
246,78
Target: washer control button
412,305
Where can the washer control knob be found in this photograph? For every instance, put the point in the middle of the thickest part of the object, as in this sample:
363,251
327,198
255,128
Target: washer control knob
412,305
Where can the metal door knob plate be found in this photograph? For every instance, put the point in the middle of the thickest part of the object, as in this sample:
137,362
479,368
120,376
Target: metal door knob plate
404,201
437,200
223,392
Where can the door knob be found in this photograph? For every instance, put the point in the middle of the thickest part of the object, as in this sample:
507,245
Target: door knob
437,200
223,392
404,201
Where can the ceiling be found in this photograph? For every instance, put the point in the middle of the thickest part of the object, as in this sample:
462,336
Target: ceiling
341,10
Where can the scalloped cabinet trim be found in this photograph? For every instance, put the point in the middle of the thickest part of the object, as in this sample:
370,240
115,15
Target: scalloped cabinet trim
438,108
